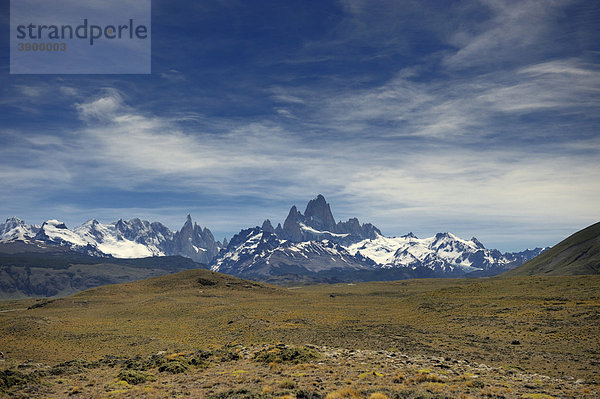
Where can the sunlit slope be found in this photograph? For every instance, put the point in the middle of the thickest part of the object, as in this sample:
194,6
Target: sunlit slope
576,255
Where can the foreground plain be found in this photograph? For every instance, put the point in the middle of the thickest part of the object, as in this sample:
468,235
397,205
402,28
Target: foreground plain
204,334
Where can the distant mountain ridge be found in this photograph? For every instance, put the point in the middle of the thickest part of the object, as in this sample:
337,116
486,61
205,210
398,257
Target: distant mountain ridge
307,244
443,253
134,238
314,243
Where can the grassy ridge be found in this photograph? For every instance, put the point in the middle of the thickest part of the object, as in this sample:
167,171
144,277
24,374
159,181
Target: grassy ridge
578,254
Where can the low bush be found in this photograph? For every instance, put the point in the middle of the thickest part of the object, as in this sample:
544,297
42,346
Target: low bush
9,378
346,393
141,364
285,354
135,377
174,366
75,366
287,384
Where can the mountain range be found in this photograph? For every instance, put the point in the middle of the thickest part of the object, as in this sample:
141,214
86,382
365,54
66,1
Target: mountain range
309,244
314,244
134,238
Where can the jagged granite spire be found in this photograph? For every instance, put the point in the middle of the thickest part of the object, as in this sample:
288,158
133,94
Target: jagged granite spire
195,242
318,214
291,228
267,226
317,223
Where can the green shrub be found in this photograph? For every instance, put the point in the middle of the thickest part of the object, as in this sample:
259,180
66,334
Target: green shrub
9,378
285,354
287,384
141,364
477,384
174,366
75,366
135,377
206,282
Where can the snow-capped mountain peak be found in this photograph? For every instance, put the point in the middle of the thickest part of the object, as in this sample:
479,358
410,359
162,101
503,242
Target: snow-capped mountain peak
56,232
54,224
14,229
109,240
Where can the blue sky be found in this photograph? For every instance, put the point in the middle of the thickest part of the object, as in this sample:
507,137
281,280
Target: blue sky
476,117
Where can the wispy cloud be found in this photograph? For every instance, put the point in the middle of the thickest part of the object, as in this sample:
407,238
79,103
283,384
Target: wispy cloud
173,76
515,31
69,91
30,91
104,108
564,85
463,109
236,157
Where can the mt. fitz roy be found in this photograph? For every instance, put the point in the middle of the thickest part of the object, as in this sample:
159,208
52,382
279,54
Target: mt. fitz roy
313,244
318,224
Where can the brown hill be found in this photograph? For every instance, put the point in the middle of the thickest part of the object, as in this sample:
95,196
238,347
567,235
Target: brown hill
576,255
